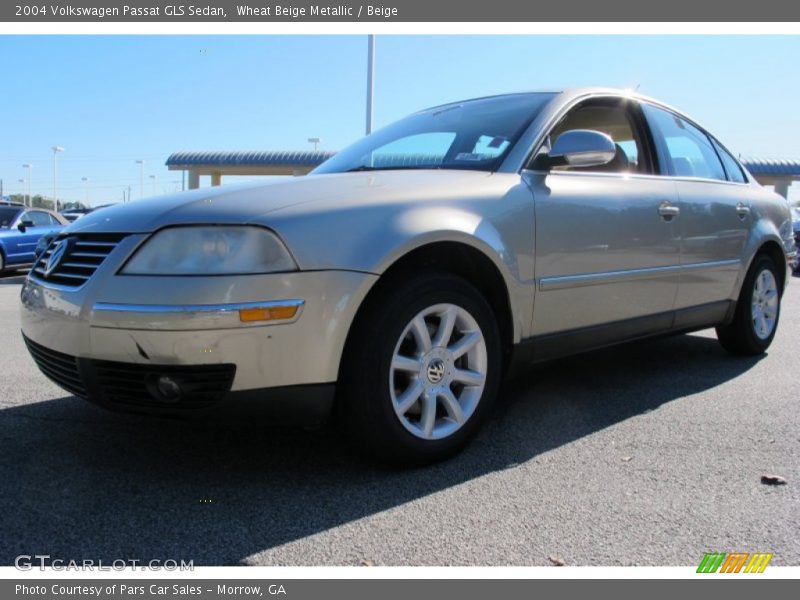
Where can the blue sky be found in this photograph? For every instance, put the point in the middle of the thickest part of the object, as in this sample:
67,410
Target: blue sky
110,100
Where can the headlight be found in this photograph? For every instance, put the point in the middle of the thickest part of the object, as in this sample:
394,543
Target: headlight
224,250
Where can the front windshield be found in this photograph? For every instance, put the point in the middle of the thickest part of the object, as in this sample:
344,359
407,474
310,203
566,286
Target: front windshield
8,215
476,135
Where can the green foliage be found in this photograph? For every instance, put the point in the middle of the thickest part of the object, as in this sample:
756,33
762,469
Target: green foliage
39,201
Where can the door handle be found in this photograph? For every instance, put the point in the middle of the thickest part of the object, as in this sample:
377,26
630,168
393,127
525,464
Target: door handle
742,210
667,210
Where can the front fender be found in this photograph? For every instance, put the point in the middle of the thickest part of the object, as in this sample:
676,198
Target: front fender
373,237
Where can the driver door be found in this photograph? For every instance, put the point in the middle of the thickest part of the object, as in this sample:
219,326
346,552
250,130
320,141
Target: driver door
607,254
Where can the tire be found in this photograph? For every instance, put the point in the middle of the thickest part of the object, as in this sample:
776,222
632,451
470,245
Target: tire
2,262
755,320
410,407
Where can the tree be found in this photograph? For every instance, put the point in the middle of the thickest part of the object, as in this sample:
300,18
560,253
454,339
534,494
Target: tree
39,201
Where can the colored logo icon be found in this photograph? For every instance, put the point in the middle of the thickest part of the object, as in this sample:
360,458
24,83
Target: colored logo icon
734,562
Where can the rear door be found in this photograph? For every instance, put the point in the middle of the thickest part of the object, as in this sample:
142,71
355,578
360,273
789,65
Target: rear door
714,208
607,243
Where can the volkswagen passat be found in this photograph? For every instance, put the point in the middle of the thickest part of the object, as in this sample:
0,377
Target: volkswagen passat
410,270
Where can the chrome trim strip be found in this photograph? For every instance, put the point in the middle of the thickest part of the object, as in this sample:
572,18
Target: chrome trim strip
714,264
185,317
547,284
631,175
193,308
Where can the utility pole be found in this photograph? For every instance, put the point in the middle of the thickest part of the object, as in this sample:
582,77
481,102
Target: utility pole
85,181
29,196
140,162
56,150
370,79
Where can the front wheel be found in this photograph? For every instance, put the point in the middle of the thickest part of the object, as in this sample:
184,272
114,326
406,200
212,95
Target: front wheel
422,369
756,318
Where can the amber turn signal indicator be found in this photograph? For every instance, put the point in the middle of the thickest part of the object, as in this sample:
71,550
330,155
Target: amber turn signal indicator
275,313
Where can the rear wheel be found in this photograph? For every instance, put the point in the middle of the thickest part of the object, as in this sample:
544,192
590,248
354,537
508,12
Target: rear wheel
757,311
422,369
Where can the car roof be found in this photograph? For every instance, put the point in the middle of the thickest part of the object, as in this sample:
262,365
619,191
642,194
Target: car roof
567,95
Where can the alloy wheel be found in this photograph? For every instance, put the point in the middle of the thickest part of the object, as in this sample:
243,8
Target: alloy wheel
438,371
764,304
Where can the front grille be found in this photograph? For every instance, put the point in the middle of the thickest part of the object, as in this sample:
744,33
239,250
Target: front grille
134,385
128,384
61,368
84,253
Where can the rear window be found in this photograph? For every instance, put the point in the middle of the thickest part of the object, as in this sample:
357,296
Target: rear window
689,150
732,168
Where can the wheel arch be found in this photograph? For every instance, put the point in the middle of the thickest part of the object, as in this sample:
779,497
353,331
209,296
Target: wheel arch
774,251
457,258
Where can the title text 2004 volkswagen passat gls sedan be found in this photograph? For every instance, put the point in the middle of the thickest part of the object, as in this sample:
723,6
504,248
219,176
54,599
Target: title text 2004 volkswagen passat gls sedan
409,270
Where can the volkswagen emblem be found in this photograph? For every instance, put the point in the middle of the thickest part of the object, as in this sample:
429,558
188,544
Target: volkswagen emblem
56,256
436,371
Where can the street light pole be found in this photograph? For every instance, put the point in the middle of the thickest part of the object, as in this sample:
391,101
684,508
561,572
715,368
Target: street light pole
56,150
85,181
141,177
153,177
29,200
370,79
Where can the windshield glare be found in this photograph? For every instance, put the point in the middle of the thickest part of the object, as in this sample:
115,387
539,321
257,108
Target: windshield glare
476,135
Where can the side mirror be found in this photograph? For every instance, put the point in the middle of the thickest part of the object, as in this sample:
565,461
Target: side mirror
23,225
582,148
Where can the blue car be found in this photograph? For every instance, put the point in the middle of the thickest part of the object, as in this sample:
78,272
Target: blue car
20,231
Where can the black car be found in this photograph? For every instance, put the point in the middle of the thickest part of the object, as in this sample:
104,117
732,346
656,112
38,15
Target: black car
796,228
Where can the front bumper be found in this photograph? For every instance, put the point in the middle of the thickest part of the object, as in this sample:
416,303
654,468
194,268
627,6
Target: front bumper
122,333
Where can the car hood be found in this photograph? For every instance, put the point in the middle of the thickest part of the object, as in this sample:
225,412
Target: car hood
252,203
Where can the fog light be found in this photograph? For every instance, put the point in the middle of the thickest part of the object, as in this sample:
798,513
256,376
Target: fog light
168,389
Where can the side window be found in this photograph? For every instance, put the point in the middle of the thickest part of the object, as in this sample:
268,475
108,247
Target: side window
39,219
614,119
732,167
689,150
53,220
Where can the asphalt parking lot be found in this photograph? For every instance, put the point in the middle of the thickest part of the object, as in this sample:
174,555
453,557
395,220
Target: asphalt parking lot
646,454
